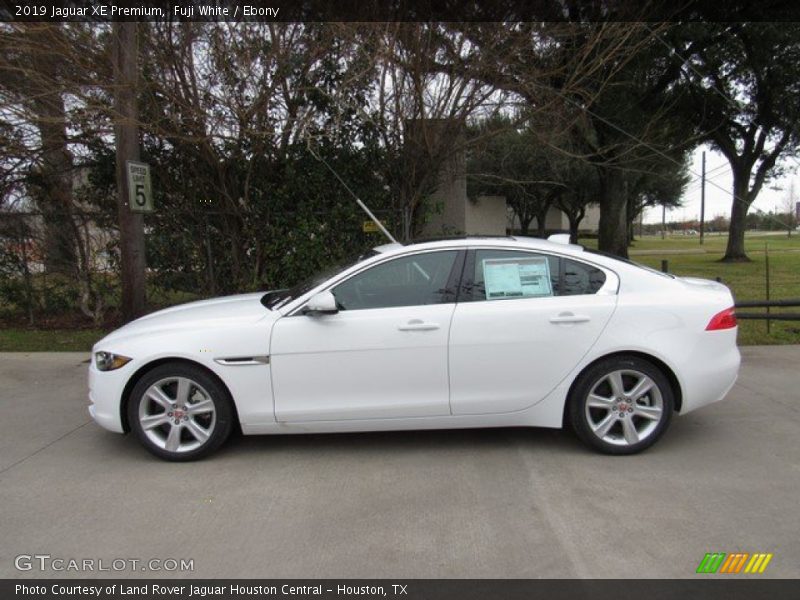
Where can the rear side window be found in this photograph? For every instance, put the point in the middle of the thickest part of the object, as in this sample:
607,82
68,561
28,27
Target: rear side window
508,274
580,278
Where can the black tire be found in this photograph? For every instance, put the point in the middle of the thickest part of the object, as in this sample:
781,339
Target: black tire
217,423
618,438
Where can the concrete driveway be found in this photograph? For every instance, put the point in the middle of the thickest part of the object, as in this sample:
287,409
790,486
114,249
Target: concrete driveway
489,503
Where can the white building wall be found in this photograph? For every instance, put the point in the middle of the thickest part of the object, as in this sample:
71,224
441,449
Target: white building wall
486,215
557,220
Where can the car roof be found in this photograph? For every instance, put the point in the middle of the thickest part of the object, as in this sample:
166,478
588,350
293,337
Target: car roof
509,242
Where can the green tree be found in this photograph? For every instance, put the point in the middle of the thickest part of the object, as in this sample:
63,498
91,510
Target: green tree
662,184
744,81
631,129
509,161
580,189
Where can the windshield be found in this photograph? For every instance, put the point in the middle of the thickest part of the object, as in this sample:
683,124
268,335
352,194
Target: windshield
275,299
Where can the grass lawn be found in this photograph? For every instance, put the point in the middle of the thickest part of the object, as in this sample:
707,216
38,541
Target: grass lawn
49,340
685,255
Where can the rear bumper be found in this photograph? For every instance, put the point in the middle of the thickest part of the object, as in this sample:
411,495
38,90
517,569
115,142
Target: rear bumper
710,369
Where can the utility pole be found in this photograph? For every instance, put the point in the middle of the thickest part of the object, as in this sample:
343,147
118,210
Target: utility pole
126,133
663,221
703,198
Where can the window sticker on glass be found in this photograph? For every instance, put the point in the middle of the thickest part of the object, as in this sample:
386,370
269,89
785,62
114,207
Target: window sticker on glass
517,277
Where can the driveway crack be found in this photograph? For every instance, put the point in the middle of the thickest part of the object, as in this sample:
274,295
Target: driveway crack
45,447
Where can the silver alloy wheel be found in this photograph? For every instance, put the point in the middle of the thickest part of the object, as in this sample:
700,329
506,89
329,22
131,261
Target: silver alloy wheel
177,414
624,407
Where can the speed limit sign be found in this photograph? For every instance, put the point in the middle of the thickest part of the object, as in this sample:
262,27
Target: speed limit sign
140,193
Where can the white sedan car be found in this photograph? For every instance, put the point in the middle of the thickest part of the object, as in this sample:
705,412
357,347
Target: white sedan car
475,332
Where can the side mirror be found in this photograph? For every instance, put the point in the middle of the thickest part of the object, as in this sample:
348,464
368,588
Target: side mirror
323,303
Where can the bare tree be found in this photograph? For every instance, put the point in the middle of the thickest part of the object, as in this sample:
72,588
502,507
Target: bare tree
46,71
234,101
33,100
420,110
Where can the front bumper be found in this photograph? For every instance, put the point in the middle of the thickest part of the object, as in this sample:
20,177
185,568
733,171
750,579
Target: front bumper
105,396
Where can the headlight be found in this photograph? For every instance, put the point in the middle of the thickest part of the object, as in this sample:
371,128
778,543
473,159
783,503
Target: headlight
106,361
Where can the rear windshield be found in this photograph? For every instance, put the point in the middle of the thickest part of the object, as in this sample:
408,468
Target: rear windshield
629,262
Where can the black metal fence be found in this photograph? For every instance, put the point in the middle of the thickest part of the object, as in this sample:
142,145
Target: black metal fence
766,304
792,303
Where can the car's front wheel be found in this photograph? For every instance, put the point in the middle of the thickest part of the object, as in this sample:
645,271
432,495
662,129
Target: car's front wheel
621,405
179,412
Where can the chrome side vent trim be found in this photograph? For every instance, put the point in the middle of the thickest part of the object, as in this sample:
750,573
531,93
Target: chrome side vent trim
242,361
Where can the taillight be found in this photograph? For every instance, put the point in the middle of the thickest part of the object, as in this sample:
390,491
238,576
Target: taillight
722,320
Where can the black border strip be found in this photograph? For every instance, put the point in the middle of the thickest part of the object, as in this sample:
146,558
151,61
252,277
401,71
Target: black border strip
404,10
734,588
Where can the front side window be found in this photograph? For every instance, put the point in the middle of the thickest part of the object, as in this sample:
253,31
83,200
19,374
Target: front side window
277,298
413,280
508,274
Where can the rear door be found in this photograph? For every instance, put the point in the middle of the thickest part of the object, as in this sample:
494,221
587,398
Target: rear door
522,322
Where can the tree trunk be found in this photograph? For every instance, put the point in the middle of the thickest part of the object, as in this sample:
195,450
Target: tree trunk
58,244
630,217
54,177
541,224
574,224
525,224
613,237
735,250
126,130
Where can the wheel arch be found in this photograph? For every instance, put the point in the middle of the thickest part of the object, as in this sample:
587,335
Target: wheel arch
657,362
145,369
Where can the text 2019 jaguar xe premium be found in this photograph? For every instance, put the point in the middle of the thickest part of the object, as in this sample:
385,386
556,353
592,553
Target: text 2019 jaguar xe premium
449,334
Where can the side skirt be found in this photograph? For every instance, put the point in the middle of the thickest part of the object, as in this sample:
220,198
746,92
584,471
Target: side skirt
547,413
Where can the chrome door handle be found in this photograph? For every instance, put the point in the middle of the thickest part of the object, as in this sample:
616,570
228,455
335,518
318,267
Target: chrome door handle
569,318
418,325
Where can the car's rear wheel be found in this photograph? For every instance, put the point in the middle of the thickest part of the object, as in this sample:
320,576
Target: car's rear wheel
621,405
179,412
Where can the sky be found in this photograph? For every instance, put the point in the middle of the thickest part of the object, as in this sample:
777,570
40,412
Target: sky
719,184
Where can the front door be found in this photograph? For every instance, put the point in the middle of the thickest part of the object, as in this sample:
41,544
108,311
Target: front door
383,355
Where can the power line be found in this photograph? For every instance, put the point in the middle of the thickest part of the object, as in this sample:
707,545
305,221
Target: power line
697,181
697,185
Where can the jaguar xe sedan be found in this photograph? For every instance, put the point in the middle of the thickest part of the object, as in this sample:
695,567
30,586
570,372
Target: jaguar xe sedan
463,333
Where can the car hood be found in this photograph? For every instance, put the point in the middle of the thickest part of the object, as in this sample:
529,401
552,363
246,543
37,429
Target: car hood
228,311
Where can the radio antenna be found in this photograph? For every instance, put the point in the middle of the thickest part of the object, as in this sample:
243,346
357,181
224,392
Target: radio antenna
363,206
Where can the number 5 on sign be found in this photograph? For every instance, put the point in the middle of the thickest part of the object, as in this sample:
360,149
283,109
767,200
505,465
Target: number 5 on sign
140,193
